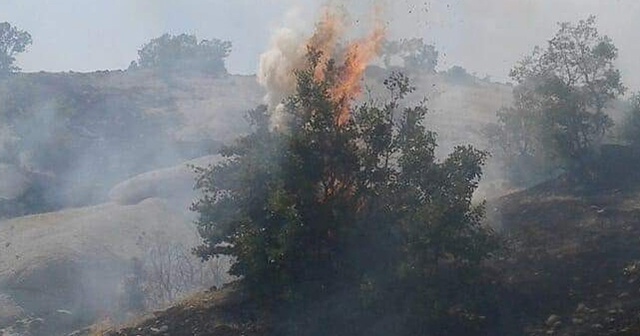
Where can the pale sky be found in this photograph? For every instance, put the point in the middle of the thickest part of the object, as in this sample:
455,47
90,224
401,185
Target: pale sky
484,36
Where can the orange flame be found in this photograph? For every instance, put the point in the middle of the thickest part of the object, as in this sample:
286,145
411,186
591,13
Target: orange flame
356,55
326,39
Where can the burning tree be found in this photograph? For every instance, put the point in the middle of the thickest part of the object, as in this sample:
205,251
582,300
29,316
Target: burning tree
343,215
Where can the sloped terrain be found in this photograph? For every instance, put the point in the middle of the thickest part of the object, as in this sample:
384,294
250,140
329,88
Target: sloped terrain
67,267
575,251
224,312
68,138
92,179
75,260
571,266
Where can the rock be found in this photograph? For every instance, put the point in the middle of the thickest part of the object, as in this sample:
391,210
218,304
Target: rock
552,320
162,329
175,183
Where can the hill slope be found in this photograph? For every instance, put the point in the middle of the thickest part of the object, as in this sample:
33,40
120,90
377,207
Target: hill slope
572,267
91,177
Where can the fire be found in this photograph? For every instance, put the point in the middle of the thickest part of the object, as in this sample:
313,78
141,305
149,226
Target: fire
351,59
356,57
288,53
326,38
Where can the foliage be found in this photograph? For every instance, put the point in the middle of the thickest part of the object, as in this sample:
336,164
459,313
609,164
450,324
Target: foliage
184,52
459,75
362,208
631,128
415,54
558,119
12,41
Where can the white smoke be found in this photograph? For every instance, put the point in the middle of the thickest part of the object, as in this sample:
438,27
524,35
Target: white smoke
286,53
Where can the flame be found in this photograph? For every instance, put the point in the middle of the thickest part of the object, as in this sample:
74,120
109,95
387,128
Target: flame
357,56
326,38
288,53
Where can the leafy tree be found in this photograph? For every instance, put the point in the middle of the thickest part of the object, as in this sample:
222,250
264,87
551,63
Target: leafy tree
631,128
12,41
415,54
184,52
459,75
347,222
559,118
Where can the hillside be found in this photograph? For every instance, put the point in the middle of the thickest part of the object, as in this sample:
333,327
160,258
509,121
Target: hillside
94,182
68,138
571,267
574,265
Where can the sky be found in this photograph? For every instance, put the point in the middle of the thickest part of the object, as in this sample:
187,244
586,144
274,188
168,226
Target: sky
487,37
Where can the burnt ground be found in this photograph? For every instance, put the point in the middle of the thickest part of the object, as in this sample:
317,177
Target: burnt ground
573,267
216,312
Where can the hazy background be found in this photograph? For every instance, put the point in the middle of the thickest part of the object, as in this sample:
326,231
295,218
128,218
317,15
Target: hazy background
486,37
94,181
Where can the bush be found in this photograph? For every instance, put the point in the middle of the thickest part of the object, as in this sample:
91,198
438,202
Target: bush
414,53
340,223
184,53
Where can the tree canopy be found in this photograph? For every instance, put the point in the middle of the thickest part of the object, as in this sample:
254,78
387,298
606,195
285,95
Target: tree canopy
12,42
558,119
357,217
631,126
415,54
184,52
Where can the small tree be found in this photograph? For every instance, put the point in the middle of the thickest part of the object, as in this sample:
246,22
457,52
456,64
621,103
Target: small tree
631,128
184,52
459,75
12,42
360,207
415,54
559,112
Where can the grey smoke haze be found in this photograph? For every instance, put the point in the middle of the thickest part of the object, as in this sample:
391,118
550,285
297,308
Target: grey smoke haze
143,175
486,36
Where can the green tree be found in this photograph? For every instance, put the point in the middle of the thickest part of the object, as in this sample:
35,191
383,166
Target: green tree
12,42
350,221
459,75
558,118
184,52
415,54
631,128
